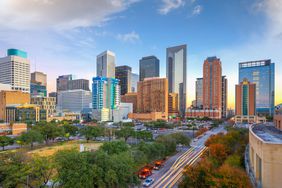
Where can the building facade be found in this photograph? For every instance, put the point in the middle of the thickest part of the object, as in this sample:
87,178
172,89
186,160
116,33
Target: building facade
37,90
261,73
173,104
63,82
224,100
73,100
106,64
149,67
39,77
134,81
45,103
123,73
199,93
67,82
130,98
15,70
176,72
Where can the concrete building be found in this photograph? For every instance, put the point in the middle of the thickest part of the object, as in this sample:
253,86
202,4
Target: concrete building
106,64
67,82
176,73
12,98
277,119
45,103
147,117
134,81
123,73
121,113
14,129
5,87
199,93
173,104
73,100
39,77
15,70
261,73
224,97
149,67
264,156
102,114
62,82
130,98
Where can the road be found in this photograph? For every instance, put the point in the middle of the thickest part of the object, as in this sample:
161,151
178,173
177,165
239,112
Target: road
171,173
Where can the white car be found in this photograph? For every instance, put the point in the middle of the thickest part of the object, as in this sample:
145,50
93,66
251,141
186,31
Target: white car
148,182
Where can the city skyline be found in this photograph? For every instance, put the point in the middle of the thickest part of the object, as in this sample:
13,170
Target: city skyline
258,37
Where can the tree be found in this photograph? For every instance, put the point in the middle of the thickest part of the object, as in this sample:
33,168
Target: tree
144,135
5,141
70,129
50,131
90,132
114,147
125,132
31,137
180,138
218,152
201,131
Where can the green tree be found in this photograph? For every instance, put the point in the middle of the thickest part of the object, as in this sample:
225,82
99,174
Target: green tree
114,147
31,137
144,135
91,132
111,178
70,129
50,131
125,132
5,141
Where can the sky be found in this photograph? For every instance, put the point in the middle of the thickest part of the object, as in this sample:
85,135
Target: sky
65,36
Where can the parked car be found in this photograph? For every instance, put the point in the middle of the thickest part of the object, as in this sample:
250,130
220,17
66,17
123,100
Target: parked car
148,182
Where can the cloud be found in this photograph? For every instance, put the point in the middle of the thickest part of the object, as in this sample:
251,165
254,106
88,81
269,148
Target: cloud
169,5
197,10
58,14
131,37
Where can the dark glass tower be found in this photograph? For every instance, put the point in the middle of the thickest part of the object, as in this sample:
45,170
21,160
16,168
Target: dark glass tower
149,67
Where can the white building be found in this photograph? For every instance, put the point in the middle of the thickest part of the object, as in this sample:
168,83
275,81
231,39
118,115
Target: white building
106,64
5,87
15,70
73,100
121,113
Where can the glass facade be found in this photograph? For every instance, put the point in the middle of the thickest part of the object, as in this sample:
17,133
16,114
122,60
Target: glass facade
262,74
149,67
245,100
38,90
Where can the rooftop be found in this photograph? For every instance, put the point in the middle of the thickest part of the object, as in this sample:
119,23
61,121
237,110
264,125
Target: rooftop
268,133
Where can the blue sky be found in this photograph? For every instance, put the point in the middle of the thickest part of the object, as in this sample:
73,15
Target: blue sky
62,37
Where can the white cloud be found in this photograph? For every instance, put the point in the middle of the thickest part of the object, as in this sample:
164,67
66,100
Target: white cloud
58,14
169,5
197,10
131,37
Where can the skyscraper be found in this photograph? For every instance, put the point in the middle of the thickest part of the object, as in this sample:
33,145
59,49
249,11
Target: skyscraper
39,77
106,64
149,67
199,93
66,82
212,82
261,73
123,73
105,93
176,64
134,81
15,70
62,82
245,103
224,97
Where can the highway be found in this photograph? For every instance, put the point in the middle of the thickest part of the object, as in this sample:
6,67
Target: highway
172,173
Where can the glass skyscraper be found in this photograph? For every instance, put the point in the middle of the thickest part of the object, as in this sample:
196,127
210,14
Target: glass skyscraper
262,74
149,67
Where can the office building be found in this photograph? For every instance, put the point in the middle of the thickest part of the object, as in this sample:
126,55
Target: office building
73,100
37,90
173,104
261,73
15,70
134,81
12,98
149,67
45,103
106,64
63,82
277,119
39,77
199,93
15,129
264,156
224,95
5,87
123,73
130,98
176,72
105,93
67,82
121,113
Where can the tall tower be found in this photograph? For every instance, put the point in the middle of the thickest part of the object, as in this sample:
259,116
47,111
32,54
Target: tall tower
176,65
106,64
149,67
123,73
15,70
212,82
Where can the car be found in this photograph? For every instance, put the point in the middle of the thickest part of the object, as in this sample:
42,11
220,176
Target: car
148,182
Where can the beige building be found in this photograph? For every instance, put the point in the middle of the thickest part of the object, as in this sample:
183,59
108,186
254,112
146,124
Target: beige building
277,119
39,77
153,116
45,103
12,98
130,98
265,156
14,129
173,103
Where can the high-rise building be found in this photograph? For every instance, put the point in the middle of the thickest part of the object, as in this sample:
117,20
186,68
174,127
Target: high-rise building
134,81
39,77
37,90
67,82
152,95
245,103
105,93
123,73
261,73
199,93
106,64
15,70
73,100
45,103
176,65
173,104
149,67
12,98
224,97
63,82
130,98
